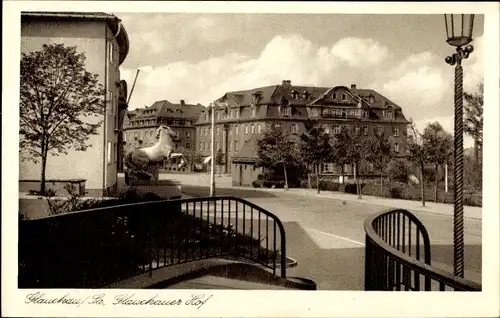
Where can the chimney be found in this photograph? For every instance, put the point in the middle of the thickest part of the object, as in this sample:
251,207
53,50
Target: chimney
182,102
353,87
286,82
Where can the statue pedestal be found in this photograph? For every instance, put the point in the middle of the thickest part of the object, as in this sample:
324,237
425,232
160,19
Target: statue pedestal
143,185
164,189
152,175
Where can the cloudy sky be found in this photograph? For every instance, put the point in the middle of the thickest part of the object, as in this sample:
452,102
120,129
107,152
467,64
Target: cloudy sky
200,56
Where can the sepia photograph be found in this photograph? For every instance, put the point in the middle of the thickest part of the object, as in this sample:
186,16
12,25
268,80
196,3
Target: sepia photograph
260,151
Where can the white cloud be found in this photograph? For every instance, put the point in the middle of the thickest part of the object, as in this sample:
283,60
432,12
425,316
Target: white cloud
448,124
360,52
284,57
473,66
422,84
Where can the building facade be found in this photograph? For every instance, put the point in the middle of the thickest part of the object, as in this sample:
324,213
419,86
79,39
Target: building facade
104,41
140,127
247,113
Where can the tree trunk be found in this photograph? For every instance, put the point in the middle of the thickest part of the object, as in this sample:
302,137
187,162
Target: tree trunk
286,178
42,179
358,185
436,183
476,150
342,172
44,164
317,178
381,184
422,184
309,176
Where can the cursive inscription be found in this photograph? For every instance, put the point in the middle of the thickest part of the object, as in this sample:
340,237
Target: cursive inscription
130,299
194,300
40,298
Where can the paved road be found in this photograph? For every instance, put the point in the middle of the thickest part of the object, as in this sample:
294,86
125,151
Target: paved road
326,235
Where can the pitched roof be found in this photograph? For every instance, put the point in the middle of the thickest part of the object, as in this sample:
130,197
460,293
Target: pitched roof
248,152
113,22
276,93
164,108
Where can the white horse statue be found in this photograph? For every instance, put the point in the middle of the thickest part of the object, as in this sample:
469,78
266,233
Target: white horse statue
140,161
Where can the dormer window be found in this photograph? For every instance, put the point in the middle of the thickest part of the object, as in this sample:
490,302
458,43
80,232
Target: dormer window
295,94
334,96
285,110
343,97
254,111
371,99
256,97
305,94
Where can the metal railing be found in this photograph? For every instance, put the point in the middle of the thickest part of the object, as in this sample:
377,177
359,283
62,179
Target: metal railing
398,256
93,248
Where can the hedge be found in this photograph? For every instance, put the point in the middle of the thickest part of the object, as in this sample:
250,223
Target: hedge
395,190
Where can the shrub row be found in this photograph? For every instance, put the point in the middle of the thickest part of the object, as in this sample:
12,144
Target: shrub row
395,190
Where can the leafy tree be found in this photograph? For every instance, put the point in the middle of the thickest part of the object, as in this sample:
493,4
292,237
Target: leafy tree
315,148
57,97
350,149
342,143
398,170
196,159
219,159
357,152
474,119
378,150
276,148
439,145
417,154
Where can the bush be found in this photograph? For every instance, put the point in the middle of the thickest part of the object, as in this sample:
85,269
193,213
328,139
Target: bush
396,192
258,183
397,170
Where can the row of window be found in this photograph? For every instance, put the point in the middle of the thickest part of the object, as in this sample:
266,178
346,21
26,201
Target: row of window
151,133
250,128
162,121
357,130
294,129
316,112
205,146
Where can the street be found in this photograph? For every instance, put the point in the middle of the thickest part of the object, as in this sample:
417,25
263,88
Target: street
326,236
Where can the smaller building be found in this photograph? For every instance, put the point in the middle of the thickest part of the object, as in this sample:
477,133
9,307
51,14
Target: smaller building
104,41
244,170
140,128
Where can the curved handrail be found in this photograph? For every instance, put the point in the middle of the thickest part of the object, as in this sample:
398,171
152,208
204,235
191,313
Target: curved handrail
421,267
412,219
187,206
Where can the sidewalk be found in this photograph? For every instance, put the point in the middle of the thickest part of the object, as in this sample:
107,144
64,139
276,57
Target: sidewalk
430,207
203,179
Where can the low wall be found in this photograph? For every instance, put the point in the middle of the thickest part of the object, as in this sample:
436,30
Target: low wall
55,185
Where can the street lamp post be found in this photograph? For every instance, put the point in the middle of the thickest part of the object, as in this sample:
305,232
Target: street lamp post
459,34
212,155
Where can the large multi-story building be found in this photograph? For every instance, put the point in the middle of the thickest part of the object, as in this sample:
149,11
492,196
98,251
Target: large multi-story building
104,41
245,114
140,127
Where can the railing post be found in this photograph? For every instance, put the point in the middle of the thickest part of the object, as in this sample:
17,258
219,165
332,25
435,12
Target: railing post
368,268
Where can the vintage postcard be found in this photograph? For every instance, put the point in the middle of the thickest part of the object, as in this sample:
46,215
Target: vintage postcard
250,159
